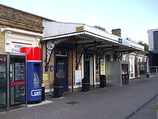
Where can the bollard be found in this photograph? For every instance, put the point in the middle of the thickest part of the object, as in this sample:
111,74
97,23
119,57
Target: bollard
43,92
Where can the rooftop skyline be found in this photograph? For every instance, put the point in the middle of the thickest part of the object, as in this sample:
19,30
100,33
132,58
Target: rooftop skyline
134,18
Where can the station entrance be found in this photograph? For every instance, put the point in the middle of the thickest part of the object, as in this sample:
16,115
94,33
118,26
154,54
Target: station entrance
12,80
88,79
62,72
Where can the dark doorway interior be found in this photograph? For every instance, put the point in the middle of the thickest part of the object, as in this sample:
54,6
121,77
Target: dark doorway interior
62,71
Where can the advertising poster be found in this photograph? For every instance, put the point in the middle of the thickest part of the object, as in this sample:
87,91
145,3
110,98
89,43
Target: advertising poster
102,67
78,77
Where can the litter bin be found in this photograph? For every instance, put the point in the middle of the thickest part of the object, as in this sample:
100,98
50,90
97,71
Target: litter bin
102,81
147,74
126,78
58,88
43,92
85,85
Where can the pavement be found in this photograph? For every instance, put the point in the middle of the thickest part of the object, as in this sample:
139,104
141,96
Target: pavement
136,100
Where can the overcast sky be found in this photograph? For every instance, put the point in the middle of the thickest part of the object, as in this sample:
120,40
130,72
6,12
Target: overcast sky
134,17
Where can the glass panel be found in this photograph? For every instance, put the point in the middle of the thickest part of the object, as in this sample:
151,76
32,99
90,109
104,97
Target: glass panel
3,82
61,52
37,75
36,80
60,70
17,94
17,80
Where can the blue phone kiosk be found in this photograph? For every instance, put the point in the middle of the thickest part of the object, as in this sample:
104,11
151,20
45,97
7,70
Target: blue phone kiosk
34,73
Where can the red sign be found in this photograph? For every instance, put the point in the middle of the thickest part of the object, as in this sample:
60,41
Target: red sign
140,62
2,59
33,53
17,83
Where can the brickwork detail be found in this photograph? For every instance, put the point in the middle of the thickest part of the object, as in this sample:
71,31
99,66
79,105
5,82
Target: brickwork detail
2,41
19,19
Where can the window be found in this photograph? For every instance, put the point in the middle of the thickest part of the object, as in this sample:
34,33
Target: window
60,52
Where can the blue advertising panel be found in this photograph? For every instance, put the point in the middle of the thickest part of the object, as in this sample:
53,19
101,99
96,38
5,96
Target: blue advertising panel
34,81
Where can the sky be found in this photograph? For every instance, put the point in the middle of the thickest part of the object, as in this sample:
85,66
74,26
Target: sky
133,17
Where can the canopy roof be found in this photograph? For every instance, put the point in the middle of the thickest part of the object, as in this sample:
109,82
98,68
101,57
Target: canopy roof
82,33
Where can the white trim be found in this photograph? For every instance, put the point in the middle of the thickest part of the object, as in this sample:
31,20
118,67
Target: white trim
96,83
94,68
63,35
33,61
21,31
76,86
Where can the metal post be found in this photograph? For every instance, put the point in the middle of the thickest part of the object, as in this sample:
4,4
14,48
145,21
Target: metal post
8,81
157,108
43,92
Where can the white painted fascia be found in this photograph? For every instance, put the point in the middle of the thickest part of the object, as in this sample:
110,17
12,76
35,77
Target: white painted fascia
21,31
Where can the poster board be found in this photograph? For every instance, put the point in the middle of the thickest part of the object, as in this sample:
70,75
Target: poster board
78,79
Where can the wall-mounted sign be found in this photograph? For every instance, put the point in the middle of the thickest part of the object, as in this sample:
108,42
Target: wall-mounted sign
16,47
119,40
80,28
102,67
45,77
2,59
78,77
51,68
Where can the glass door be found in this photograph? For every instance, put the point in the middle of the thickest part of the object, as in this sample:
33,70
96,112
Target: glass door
3,81
87,68
17,80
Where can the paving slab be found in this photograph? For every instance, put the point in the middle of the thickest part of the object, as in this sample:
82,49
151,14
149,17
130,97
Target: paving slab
99,103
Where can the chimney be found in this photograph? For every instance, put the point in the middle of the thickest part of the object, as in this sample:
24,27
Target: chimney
116,32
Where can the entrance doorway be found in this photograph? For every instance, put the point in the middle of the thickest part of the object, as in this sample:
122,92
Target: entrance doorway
62,72
88,69
61,67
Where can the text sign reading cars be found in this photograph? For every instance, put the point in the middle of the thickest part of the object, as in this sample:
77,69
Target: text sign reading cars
36,92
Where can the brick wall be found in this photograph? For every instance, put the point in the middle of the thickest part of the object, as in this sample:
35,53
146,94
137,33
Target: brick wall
19,19
2,41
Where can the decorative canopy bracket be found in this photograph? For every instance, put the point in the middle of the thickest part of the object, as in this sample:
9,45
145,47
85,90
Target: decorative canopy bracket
101,51
119,54
82,48
50,45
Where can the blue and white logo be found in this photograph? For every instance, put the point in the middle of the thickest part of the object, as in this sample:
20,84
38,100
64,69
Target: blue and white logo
36,92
